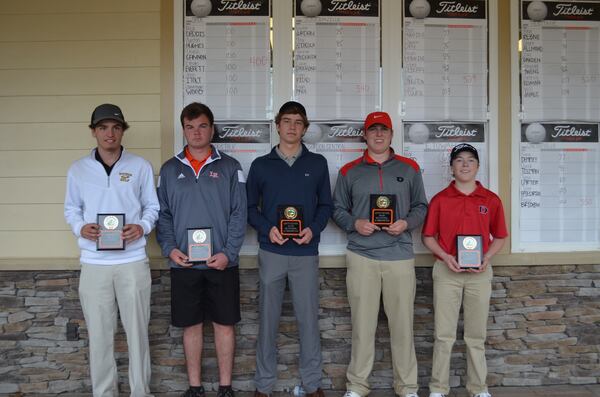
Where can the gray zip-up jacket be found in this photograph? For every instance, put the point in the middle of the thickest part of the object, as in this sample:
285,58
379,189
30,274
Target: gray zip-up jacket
362,177
216,198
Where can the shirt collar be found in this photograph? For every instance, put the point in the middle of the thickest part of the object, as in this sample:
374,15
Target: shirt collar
479,190
215,154
369,160
291,157
107,168
194,160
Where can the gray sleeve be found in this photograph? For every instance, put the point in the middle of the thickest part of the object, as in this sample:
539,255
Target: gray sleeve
342,204
165,229
236,229
418,202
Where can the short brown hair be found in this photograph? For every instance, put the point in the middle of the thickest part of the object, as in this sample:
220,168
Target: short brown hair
195,110
292,107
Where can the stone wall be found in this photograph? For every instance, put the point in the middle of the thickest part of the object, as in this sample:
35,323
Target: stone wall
544,328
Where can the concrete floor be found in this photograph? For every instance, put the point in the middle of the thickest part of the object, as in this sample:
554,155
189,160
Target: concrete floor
542,391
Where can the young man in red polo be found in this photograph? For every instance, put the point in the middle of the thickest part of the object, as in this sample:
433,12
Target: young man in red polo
463,212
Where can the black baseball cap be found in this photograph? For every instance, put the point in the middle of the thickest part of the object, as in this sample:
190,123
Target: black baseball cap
292,107
463,147
108,111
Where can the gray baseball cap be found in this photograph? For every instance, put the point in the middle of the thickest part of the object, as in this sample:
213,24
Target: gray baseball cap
108,111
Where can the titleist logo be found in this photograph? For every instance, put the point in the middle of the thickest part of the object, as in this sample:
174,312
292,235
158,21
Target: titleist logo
456,6
237,131
567,130
348,5
345,131
572,9
239,5
448,131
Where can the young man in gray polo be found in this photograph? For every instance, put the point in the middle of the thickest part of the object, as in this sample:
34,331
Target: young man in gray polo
111,180
380,258
289,182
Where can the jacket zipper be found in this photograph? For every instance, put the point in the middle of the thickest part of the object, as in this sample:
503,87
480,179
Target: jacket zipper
380,171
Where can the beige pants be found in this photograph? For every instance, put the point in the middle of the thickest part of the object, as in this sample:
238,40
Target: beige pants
101,288
450,290
366,280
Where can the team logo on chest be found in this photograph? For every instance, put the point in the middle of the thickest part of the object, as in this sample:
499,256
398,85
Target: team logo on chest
213,174
483,209
124,176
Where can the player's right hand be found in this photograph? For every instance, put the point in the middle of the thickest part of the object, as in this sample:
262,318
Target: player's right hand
364,227
180,258
90,231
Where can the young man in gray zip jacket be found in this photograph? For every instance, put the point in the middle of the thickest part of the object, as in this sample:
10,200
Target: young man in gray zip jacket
202,188
380,259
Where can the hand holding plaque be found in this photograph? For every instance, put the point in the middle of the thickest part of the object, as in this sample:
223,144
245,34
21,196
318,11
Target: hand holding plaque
111,232
290,220
469,251
199,244
383,209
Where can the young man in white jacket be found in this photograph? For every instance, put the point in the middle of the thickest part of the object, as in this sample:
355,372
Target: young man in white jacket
113,181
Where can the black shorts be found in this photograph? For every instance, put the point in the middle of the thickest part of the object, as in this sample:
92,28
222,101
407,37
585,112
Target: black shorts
198,295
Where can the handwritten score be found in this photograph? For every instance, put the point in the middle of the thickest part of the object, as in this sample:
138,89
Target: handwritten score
560,61
445,62
227,59
337,59
559,186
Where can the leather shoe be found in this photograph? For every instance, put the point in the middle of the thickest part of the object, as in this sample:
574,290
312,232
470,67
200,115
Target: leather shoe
259,394
316,393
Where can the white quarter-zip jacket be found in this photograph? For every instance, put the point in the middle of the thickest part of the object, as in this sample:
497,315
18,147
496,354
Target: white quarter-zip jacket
129,189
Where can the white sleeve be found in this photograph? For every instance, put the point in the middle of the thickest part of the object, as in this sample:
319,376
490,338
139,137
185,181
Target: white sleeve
74,204
148,199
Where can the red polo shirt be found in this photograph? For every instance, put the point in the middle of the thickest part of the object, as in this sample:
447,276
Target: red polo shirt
452,212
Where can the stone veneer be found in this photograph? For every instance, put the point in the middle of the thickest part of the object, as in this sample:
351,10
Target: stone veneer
544,329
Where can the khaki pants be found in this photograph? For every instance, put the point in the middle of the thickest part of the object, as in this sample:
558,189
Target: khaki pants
366,280
450,290
101,288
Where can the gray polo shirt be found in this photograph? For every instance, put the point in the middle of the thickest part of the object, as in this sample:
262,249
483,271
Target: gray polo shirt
290,160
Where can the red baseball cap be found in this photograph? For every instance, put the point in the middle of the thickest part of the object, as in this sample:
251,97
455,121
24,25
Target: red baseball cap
378,118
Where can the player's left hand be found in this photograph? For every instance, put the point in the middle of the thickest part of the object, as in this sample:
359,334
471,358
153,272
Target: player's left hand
218,261
484,264
396,228
305,236
132,232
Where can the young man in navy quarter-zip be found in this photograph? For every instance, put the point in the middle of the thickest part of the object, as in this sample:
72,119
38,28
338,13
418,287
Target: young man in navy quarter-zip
113,181
203,188
379,258
294,182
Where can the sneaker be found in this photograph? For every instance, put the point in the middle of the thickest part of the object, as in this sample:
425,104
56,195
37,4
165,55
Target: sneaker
194,392
436,395
411,395
351,393
225,391
316,393
484,394
259,394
